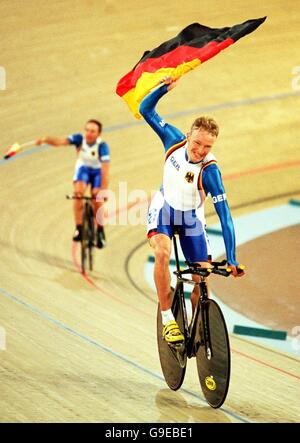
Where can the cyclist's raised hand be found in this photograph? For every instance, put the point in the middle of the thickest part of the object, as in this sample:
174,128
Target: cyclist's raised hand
170,81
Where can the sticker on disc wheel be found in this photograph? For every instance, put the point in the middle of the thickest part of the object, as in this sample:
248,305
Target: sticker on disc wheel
210,383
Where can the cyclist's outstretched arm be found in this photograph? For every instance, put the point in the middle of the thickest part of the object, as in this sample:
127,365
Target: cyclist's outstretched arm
54,141
212,183
167,133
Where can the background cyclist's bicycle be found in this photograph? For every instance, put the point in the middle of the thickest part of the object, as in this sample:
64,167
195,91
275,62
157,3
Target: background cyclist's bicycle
88,232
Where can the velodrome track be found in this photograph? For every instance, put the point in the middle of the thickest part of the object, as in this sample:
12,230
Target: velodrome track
84,349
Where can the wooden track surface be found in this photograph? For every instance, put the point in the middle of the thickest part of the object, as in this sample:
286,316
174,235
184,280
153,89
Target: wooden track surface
85,349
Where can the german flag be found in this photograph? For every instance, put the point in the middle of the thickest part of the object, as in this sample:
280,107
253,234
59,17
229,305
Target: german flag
12,150
192,46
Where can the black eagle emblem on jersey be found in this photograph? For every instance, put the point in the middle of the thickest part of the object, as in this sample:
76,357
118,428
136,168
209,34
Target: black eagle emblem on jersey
189,177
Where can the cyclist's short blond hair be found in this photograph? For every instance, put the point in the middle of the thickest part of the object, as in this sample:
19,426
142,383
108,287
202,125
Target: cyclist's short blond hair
206,123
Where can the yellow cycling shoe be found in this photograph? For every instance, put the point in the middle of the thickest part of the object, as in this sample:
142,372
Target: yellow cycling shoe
171,333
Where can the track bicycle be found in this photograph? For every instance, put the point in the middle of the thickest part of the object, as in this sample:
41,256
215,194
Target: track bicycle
88,232
206,337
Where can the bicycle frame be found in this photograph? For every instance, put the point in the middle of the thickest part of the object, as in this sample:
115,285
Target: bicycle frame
190,330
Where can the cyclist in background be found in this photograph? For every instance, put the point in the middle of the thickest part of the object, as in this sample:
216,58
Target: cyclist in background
92,168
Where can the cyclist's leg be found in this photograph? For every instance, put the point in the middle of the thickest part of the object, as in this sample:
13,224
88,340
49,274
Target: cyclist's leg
196,291
204,264
160,232
195,247
80,183
98,207
96,192
79,190
161,245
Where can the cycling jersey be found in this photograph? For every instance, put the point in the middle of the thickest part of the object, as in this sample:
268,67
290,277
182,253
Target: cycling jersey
90,159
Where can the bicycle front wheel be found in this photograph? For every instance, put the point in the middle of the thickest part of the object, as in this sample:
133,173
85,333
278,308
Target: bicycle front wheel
213,356
172,361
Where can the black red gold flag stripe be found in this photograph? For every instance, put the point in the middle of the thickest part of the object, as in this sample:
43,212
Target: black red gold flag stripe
192,46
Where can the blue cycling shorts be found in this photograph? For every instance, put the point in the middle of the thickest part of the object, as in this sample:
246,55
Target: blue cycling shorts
163,219
89,176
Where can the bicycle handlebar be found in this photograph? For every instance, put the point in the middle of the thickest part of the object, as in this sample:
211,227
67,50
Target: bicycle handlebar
75,197
219,263
196,269
225,272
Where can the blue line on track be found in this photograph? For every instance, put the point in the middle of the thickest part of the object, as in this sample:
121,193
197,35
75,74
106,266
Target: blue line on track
209,108
203,109
104,348
24,154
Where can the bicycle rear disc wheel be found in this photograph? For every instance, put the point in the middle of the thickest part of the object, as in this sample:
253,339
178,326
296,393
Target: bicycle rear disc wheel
173,368
213,362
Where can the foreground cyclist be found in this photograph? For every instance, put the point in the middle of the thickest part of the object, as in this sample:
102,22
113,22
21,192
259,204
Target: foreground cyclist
92,168
190,174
